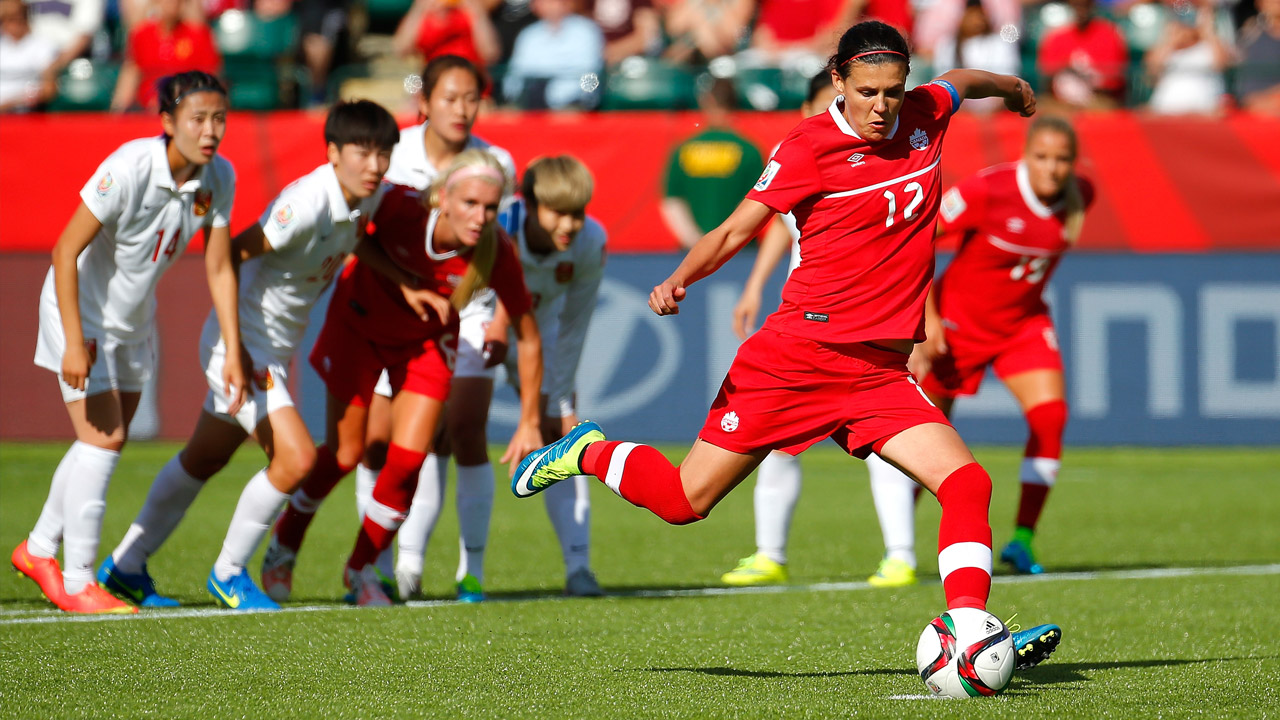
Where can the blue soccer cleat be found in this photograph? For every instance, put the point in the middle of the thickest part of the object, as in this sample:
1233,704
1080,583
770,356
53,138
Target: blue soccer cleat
239,593
1034,646
558,461
136,588
469,590
1018,554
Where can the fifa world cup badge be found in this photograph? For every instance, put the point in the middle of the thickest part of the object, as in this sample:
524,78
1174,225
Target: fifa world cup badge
262,378
204,199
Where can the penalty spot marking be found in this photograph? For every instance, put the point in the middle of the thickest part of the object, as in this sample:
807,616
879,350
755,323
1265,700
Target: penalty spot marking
30,617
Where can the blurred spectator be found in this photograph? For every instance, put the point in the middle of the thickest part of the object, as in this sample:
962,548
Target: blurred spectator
448,27
939,22
1186,66
509,17
709,173
979,46
1258,77
796,33
1086,60
556,60
25,59
161,46
631,27
897,13
321,24
702,30
68,25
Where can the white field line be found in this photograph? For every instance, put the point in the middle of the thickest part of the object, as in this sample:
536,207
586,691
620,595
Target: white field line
45,616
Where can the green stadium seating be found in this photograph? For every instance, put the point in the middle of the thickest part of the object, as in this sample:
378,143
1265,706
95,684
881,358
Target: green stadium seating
385,15
252,84
644,84
245,35
84,86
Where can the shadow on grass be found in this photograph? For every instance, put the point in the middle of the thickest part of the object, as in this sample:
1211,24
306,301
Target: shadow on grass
736,672
1052,673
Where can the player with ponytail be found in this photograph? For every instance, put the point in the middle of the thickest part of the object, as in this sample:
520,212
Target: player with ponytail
406,322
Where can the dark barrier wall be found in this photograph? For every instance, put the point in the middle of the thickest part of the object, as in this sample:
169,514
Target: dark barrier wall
1180,185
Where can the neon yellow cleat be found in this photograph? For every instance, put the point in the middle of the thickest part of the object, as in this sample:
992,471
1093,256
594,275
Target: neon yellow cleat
893,573
757,569
558,461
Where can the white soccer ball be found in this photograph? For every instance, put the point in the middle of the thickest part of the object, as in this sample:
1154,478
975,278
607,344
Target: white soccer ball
965,653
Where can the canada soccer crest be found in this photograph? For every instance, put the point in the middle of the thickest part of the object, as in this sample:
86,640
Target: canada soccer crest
564,272
729,422
919,139
204,199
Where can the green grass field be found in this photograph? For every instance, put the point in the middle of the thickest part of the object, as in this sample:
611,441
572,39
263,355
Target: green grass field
1141,640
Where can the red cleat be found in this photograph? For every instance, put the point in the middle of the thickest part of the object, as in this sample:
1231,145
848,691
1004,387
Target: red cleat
44,571
93,600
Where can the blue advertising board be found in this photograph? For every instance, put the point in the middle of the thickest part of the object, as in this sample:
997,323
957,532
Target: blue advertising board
1159,350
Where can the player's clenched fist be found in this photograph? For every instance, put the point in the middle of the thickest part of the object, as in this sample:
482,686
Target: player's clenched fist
1022,100
665,298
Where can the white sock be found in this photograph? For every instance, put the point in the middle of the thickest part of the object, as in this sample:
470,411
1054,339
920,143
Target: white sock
895,498
569,507
46,536
365,480
171,493
777,490
259,504
475,506
82,509
428,500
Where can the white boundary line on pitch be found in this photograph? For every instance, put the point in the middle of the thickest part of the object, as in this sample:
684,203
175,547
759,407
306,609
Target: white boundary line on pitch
46,616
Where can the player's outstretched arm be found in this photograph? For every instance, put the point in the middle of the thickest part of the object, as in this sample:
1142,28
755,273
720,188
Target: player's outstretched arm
973,84
528,435
709,253
224,286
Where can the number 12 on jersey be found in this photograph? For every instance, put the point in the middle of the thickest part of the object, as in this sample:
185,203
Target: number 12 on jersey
168,251
909,212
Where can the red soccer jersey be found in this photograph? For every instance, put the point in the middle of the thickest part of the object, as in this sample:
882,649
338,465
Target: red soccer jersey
1098,50
1010,245
189,47
403,227
866,214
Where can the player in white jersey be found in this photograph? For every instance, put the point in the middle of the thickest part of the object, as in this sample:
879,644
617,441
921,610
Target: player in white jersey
289,258
452,88
778,479
97,316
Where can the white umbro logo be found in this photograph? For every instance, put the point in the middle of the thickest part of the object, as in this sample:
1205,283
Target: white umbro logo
919,139
729,422
1016,225
856,159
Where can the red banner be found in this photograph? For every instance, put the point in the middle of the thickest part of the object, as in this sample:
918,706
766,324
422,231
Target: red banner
1177,185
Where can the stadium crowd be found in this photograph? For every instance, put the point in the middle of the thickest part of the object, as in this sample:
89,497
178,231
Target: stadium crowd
1167,56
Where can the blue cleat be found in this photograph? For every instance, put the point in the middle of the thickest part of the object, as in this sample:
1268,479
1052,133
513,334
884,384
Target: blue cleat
1034,646
469,590
1018,554
558,461
239,593
138,588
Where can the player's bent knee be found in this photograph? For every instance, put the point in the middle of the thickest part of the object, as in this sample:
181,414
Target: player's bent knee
375,455
348,456
293,465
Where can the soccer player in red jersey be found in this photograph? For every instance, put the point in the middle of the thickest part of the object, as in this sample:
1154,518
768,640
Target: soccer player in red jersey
1013,223
864,184
443,247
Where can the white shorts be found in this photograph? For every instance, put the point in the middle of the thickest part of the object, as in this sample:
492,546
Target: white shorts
474,323
120,365
270,383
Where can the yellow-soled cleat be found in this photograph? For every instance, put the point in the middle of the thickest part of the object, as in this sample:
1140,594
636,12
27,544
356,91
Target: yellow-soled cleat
893,573
757,569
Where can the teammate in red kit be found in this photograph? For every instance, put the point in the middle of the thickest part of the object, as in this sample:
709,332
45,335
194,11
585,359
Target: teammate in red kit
1013,222
409,327
864,184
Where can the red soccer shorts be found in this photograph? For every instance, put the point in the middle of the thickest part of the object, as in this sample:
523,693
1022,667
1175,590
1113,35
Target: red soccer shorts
350,365
787,393
960,371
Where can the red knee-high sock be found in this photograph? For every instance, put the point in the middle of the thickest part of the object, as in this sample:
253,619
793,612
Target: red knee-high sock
386,511
1041,460
327,473
642,476
964,537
